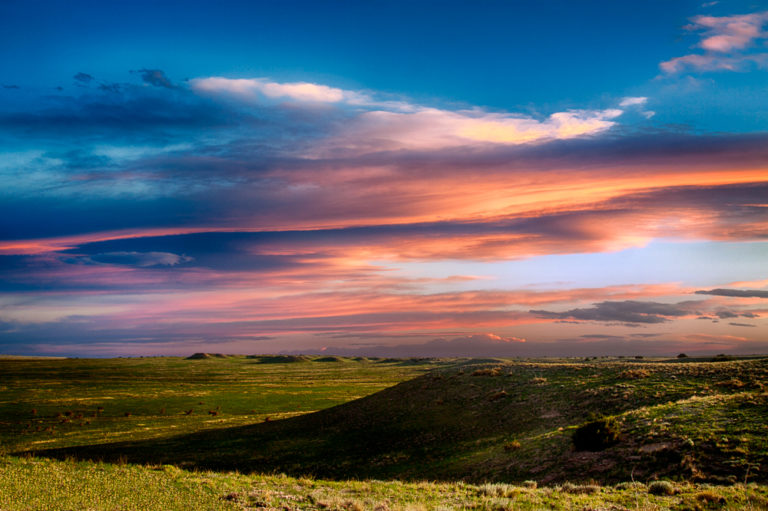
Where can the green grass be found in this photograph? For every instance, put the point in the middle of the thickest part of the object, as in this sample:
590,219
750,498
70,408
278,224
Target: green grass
40,484
506,422
378,430
55,403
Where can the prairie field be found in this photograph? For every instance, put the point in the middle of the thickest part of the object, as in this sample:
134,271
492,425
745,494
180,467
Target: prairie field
269,432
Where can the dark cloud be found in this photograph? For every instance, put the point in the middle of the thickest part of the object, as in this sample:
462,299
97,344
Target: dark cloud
11,86
632,150
137,115
628,311
80,159
477,345
110,87
741,293
730,314
141,259
83,78
156,77
742,324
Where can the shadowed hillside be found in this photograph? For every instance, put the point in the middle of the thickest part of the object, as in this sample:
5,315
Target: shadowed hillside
508,422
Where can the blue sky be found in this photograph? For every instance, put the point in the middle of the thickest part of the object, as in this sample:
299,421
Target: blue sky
294,176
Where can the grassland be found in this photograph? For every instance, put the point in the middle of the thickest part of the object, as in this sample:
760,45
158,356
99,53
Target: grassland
689,434
42,484
71,402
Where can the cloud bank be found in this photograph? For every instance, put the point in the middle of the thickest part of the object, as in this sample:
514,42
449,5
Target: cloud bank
268,216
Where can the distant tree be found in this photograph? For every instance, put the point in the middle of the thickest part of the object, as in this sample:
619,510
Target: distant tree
682,355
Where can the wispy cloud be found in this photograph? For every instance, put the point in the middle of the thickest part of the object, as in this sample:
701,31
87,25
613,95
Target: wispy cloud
633,101
727,42
240,210
399,124
628,311
156,78
258,89
741,293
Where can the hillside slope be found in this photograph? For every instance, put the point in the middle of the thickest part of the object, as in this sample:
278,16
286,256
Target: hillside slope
506,422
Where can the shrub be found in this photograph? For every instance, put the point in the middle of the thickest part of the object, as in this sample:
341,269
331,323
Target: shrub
279,359
512,446
709,497
498,490
733,383
682,355
530,484
487,371
596,435
634,485
634,374
661,488
328,359
498,395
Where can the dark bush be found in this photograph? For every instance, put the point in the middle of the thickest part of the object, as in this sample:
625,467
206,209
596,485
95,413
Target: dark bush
662,488
596,435
280,359
682,355
329,359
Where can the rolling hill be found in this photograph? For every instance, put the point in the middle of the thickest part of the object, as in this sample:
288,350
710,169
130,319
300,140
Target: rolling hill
497,420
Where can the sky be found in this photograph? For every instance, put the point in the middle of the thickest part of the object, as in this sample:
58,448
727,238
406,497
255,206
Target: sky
380,178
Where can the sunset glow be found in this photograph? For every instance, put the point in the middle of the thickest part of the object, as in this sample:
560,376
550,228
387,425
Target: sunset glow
267,197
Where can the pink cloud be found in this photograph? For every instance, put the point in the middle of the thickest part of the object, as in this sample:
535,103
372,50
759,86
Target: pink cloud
711,62
431,128
256,88
726,41
728,33
399,124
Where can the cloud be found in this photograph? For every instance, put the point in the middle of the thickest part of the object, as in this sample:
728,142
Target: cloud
258,89
628,311
742,324
633,101
397,124
637,102
715,339
432,129
110,87
83,78
727,42
291,217
741,293
140,259
713,63
156,78
473,345
728,33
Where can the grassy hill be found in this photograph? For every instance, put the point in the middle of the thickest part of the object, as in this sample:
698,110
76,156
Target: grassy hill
503,421
47,403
